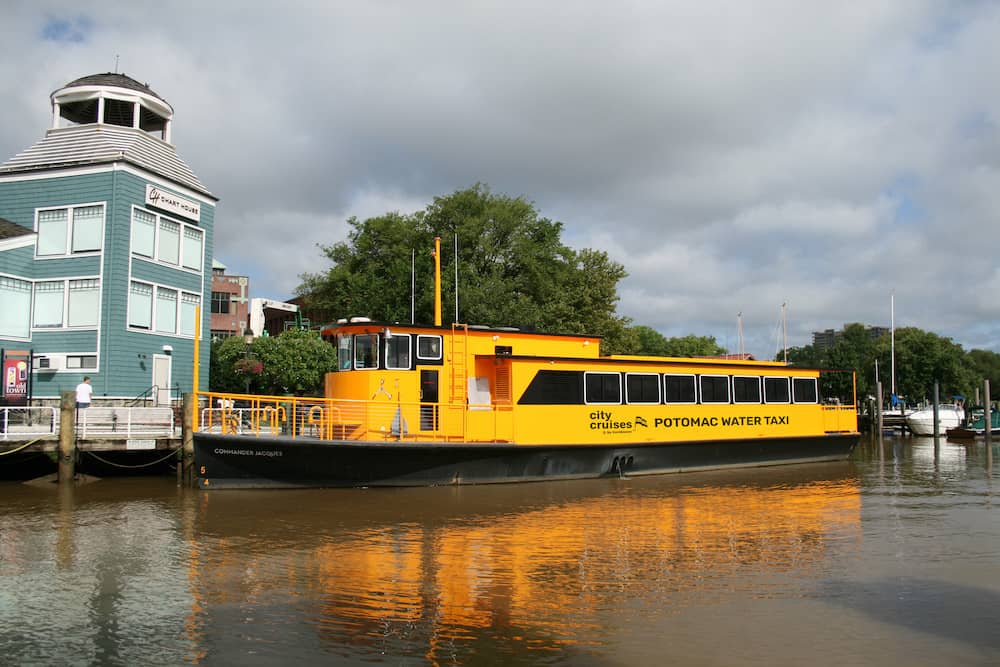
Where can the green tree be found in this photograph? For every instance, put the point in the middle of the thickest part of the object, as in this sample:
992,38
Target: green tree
921,359
292,363
513,270
983,365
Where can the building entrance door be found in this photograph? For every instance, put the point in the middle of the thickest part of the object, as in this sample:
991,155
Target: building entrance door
161,379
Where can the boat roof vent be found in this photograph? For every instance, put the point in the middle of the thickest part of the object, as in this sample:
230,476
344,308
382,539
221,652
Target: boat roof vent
355,320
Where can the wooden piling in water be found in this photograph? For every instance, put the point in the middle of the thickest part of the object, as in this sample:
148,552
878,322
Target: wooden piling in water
988,423
186,468
937,416
67,437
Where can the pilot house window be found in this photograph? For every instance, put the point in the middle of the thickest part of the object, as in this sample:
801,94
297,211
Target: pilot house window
366,351
397,351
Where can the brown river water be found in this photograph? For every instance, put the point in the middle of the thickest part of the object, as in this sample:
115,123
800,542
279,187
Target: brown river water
890,558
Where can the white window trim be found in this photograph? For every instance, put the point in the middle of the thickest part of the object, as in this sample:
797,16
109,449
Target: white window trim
587,374
375,348
694,380
815,384
177,323
788,390
729,389
659,389
760,394
157,217
31,306
69,208
409,343
420,357
65,304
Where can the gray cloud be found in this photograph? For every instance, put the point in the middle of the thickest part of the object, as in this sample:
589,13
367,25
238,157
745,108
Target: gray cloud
733,156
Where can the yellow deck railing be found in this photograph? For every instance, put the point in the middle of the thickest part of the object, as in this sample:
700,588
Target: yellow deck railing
338,419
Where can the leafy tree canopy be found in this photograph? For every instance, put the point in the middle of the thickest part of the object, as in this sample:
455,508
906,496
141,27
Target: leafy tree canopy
512,268
292,363
921,359
652,342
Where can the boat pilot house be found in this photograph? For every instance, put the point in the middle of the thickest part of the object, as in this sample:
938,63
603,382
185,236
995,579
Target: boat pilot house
413,404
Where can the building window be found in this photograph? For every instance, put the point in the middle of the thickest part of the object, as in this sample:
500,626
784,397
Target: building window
84,303
140,306
70,230
189,304
603,387
220,303
143,232
49,303
15,308
192,248
87,228
52,227
167,241
168,248
642,388
166,310
81,361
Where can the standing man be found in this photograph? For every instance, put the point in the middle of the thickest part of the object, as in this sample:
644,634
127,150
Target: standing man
83,393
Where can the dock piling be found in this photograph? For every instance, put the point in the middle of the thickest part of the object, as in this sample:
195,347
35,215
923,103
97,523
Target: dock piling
187,441
67,437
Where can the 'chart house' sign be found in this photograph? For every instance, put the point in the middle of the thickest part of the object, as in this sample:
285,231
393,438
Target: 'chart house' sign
171,202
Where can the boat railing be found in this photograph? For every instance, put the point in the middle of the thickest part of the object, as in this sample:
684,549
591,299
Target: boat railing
340,419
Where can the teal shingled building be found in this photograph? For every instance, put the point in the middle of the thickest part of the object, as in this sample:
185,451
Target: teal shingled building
106,241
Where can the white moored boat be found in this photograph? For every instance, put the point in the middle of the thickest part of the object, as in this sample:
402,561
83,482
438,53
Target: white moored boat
921,422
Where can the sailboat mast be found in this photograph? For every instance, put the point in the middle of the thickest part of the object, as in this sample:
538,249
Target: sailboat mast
784,331
739,330
892,339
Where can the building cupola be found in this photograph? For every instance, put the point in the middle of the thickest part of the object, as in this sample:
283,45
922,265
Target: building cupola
111,99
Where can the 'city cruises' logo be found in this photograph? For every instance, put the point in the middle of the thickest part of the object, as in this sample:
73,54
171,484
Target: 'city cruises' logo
171,202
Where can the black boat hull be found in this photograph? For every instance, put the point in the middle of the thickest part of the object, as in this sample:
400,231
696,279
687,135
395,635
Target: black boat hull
264,462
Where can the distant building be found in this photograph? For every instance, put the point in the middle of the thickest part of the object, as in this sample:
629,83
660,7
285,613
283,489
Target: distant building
230,303
826,339
103,247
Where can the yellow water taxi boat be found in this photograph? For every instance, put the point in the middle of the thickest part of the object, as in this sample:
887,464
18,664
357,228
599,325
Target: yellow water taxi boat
461,404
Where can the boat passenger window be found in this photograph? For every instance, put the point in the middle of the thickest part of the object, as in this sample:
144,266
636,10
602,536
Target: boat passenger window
746,389
366,351
344,352
553,388
397,351
642,388
428,348
714,388
678,389
603,387
804,390
776,390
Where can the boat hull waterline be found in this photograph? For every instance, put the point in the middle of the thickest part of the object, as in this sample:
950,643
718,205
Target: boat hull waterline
228,461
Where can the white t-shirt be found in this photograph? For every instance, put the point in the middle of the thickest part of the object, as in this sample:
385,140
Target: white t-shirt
83,392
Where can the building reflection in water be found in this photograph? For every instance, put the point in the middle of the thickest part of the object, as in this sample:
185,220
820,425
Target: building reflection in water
506,569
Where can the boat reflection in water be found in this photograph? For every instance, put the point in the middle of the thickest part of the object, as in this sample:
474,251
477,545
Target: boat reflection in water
484,573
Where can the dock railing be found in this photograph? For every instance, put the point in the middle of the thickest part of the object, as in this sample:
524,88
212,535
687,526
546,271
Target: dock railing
24,423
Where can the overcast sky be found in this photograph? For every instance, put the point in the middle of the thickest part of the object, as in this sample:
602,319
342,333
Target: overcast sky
733,156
